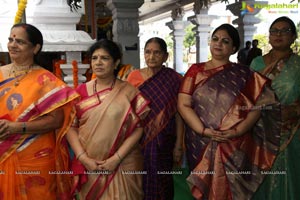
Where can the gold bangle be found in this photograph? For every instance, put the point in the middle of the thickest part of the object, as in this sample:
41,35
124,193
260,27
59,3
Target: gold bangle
202,133
80,154
235,131
119,156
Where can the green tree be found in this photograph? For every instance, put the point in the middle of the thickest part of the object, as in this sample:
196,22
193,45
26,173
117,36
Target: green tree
263,42
170,45
296,45
189,38
169,42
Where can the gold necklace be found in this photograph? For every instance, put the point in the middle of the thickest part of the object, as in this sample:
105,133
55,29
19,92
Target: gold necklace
95,88
19,74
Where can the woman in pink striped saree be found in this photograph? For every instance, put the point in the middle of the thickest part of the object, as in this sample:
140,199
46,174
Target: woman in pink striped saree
108,163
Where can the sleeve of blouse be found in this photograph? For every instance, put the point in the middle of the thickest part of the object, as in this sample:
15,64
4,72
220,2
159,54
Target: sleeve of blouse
188,82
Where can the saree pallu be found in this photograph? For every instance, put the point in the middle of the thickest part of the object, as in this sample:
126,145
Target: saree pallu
159,136
30,162
282,184
103,128
222,98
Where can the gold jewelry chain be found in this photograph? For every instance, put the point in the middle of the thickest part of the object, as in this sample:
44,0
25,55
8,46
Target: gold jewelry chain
19,74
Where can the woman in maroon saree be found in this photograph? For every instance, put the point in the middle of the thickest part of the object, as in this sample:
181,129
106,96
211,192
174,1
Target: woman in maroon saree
163,133
233,122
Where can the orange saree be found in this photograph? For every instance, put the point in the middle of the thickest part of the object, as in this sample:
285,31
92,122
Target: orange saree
103,127
31,164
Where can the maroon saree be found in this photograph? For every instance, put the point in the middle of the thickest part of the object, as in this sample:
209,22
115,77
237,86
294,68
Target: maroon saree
222,98
160,135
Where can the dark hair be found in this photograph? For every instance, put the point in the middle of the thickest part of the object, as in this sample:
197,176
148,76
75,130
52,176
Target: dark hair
34,36
112,48
233,34
162,44
287,20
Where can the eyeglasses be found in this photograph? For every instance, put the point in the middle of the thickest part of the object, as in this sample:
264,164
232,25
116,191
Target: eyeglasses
224,41
18,41
275,31
155,53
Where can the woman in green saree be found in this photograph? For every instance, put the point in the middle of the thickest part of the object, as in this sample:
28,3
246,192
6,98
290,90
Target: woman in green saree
282,66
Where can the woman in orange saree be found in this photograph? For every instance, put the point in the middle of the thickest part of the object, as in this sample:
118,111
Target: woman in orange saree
33,123
108,161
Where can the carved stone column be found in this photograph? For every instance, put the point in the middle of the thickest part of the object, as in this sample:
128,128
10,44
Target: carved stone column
246,20
178,25
68,67
202,31
126,28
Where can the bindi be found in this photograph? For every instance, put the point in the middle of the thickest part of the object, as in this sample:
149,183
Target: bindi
14,36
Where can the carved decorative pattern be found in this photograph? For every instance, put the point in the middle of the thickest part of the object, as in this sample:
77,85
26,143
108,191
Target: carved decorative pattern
127,25
177,13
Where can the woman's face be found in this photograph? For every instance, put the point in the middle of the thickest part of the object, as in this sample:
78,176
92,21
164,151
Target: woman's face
221,45
280,36
103,64
19,47
154,56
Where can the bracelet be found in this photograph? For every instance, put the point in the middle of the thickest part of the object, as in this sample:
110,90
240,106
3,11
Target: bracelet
202,133
235,130
80,154
119,156
24,127
179,149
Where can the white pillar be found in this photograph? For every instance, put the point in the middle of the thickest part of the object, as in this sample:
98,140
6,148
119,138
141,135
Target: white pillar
126,28
245,20
178,37
202,33
178,25
68,68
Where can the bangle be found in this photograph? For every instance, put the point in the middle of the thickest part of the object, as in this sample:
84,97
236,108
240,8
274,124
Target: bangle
24,127
179,149
119,156
202,133
80,154
235,130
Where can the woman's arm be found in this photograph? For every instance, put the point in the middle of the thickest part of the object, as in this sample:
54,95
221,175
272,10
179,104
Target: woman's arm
244,126
193,121
178,149
188,114
128,145
43,124
79,151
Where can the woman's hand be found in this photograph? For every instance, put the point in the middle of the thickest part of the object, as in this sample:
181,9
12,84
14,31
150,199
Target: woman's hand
89,163
214,135
5,127
177,155
109,164
231,133
291,111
